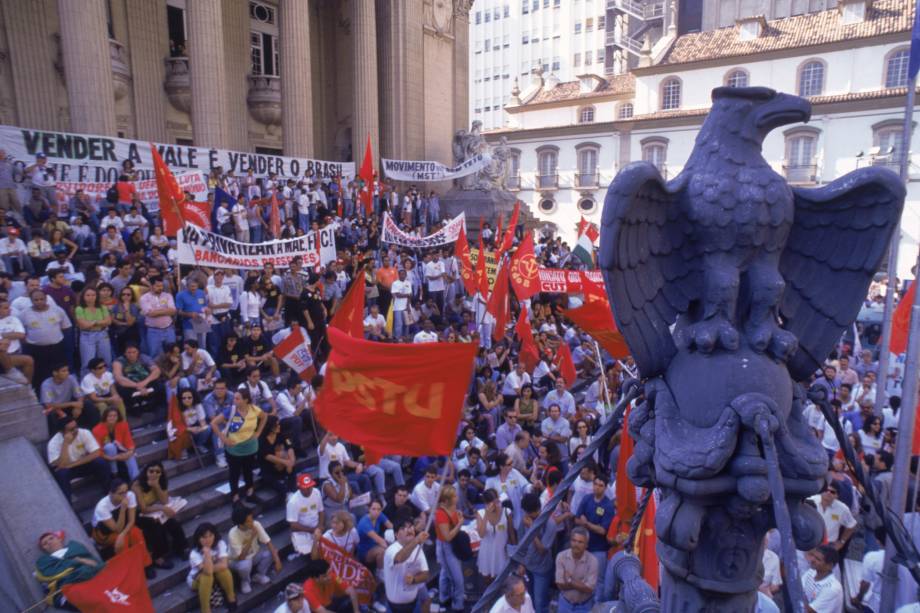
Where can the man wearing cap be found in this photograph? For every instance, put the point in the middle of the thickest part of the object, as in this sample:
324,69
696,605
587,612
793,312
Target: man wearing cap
305,514
294,602
13,250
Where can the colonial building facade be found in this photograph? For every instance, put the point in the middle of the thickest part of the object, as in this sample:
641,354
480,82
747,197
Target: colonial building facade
298,77
569,139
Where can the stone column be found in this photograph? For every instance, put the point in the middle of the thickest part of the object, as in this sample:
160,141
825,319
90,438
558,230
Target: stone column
237,62
36,90
87,66
400,68
208,74
462,65
366,112
149,41
296,78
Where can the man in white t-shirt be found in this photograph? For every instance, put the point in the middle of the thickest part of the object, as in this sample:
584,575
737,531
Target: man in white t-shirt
331,449
11,328
73,452
241,220
823,592
870,586
426,334
401,291
198,366
515,598
405,568
99,387
118,498
304,514
425,493
839,523
434,276
772,579
375,324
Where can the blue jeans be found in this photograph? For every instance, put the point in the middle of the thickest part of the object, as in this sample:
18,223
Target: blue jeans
360,483
539,586
601,557
25,263
157,337
450,579
255,234
201,441
567,607
303,222
94,344
399,323
112,449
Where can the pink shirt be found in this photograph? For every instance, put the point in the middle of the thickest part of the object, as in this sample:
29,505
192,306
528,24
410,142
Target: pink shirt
152,302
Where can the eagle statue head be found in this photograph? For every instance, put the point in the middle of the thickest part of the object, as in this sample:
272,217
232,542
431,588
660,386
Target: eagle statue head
752,112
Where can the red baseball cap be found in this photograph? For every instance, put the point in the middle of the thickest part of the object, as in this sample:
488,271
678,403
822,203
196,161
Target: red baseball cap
304,480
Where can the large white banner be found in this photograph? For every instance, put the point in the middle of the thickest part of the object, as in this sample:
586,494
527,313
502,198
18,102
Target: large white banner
408,170
195,183
448,234
97,159
199,247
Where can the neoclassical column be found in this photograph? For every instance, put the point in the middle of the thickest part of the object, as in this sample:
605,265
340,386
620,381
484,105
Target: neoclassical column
208,75
87,66
462,64
296,78
149,45
401,62
366,112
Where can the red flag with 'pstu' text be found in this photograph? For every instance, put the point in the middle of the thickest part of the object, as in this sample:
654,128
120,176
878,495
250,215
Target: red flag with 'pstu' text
350,316
120,586
403,399
900,321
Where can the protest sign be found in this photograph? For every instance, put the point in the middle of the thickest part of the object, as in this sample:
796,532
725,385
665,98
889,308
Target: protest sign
349,570
195,183
491,264
559,281
447,234
409,170
199,247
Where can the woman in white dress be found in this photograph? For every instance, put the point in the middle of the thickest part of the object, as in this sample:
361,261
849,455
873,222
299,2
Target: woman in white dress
342,533
495,531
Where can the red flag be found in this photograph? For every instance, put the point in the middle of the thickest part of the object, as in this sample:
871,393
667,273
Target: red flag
350,316
349,570
508,240
294,351
585,226
171,197
900,321
120,586
626,502
529,355
566,365
645,546
367,175
177,434
462,253
403,399
595,318
481,265
498,230
499,304
524,270
340,210
275,216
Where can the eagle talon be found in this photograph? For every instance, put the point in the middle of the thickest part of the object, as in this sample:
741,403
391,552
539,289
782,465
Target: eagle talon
770,338
705,336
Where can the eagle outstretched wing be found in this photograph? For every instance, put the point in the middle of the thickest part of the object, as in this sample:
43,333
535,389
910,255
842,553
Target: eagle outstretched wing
649,264
836,243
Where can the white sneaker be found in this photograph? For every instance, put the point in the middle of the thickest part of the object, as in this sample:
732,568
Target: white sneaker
380,607
245,587
261,579
221,462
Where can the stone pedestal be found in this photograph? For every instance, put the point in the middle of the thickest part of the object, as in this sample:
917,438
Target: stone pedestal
489,205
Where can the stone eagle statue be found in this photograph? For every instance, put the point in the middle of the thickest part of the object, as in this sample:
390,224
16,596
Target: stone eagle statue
730,287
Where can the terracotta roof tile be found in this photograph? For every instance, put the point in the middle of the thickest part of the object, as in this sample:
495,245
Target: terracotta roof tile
571,90
884,17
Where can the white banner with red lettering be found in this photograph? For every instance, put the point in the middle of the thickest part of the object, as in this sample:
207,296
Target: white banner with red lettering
294,351
559,281
448,234
195,183
199,247
349,570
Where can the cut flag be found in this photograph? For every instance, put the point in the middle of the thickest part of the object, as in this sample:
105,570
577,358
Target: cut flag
900,321
350,316
120,586
499,302
403,399
462,253
508,239
367,176
566,365
177,434
294,351
275,216
525,275
529,355
584,246
175,210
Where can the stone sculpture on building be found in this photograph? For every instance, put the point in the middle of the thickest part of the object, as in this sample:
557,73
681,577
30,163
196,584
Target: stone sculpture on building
731,287
467,145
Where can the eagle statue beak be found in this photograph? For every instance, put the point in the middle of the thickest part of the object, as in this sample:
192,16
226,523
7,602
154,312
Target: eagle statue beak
782,110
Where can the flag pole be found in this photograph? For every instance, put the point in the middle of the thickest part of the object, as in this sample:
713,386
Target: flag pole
901,470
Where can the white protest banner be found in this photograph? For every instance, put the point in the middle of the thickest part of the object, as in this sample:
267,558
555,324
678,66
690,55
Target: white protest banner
409,170
195,183
98,159
199,247
448,234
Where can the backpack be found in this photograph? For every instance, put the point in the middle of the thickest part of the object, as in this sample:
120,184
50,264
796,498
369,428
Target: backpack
111,195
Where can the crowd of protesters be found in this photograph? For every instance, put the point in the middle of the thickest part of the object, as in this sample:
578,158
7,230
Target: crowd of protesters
100,320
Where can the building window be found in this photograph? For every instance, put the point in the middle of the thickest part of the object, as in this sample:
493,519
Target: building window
586,115
507,10
557,3
586,206
577,61
601,55
801,148
896,68
547,206
525,7
524,38
262,13
887,141
535,5
737,78
557,63
587,166
655,152
601,22
506,41
175,19
263,53
589,24
547,165
670,94
588,58
811,79
497,13
487,45
625,111
478,17
513,180
578,27
488,16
